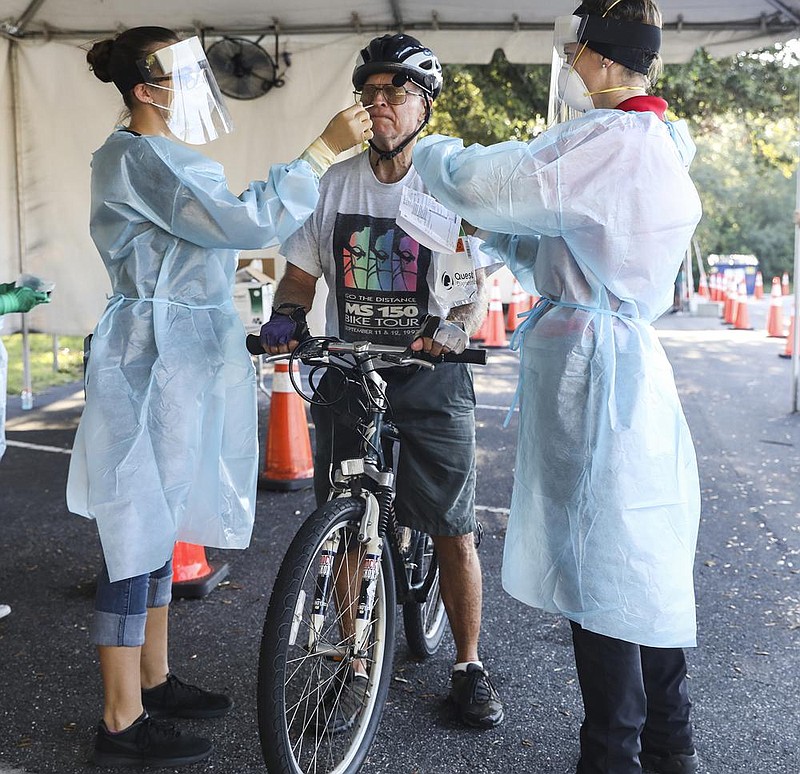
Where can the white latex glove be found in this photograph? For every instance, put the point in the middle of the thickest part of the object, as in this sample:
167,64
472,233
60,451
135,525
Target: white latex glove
451,337
447,337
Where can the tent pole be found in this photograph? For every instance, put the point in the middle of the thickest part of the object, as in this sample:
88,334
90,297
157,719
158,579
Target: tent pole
796,283
26,395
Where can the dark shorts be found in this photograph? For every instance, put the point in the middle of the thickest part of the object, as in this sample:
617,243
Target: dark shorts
434,412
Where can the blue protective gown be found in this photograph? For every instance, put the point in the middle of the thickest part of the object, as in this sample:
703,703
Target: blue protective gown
596,215
167,446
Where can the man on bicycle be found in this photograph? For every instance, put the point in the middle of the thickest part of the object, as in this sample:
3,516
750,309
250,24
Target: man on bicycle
380,284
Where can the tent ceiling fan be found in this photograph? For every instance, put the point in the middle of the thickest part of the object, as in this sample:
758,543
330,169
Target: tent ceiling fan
243,69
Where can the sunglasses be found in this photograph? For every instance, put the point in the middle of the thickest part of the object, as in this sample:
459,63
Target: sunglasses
394,95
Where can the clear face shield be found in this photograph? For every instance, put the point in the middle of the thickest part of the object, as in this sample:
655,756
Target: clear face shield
632,44
195,111
569,97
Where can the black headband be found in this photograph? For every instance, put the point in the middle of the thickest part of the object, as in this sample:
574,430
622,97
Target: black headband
631,43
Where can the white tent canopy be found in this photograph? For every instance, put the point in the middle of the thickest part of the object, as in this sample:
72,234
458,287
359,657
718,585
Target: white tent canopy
54,113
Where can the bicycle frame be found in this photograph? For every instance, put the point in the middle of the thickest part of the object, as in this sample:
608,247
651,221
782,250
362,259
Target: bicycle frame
327,646
369,476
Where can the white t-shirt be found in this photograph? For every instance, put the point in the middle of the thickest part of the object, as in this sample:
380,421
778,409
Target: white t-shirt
379,278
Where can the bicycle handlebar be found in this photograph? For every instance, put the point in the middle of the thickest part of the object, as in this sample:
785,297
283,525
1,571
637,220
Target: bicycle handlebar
387,352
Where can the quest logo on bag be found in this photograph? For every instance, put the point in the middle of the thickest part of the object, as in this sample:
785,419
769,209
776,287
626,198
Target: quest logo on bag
455,275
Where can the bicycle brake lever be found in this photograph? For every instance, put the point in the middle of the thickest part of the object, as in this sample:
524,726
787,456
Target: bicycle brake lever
418,362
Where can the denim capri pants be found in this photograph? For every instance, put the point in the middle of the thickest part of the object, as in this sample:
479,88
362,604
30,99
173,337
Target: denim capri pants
120,608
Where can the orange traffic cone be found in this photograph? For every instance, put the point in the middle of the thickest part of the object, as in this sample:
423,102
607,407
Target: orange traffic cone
495,324
787,352
702,290
785,283
192,576
516,306
288,464
775,314
721,288
741,321
729,310
759,288
480,334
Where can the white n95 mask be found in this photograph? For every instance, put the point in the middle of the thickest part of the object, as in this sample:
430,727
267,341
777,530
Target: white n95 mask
572,90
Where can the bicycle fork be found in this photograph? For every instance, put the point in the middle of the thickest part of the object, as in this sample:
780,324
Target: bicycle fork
370,551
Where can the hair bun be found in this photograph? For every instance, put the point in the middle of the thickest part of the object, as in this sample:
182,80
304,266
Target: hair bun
99,59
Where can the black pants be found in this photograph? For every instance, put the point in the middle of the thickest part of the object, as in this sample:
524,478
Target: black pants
634,698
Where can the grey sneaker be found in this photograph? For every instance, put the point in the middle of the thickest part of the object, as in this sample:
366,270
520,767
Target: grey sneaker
685,762
475,700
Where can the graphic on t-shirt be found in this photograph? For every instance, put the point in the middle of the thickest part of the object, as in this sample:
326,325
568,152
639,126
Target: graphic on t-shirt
381,278
376,264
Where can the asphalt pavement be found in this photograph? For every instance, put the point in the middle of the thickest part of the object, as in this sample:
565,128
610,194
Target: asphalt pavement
745,675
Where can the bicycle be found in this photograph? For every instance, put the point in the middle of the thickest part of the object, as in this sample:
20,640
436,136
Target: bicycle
327,647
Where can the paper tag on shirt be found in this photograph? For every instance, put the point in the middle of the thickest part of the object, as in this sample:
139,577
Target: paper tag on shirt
427,221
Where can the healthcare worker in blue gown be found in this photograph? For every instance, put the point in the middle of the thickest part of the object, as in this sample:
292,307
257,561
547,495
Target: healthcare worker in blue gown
13,298
167,446
596,215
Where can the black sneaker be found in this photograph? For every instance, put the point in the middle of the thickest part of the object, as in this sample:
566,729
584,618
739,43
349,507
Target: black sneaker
176,699
342,702
685,762
475,699
148,743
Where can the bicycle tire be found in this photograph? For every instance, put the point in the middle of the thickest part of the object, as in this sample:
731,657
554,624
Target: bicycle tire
295,732
425,623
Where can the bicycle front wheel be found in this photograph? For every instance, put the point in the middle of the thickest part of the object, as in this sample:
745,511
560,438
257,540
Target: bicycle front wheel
322,679
425,622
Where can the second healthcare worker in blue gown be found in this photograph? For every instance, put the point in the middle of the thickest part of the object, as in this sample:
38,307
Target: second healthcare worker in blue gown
167,446
596,215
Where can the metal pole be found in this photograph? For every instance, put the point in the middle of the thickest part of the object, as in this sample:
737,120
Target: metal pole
796,283
26,396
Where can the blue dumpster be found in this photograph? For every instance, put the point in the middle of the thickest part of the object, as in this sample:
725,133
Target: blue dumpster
744,267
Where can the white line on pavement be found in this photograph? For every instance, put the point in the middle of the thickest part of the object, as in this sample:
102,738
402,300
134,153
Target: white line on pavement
492,509
37,447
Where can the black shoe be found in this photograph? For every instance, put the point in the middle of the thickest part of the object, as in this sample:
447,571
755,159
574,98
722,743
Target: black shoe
475,699
342,702
148,743
685,762
176,699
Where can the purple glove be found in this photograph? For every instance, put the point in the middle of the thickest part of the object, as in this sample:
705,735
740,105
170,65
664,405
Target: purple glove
281,328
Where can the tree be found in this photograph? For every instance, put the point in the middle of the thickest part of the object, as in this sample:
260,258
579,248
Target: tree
491,103
742,111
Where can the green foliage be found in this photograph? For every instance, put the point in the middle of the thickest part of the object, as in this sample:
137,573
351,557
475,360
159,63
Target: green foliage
707,91
747,206
492,103
70,361
742,111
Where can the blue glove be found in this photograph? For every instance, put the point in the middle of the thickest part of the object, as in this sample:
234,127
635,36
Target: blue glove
21,300
283,327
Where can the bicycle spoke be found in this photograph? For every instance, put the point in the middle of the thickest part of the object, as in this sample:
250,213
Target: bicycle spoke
321,711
